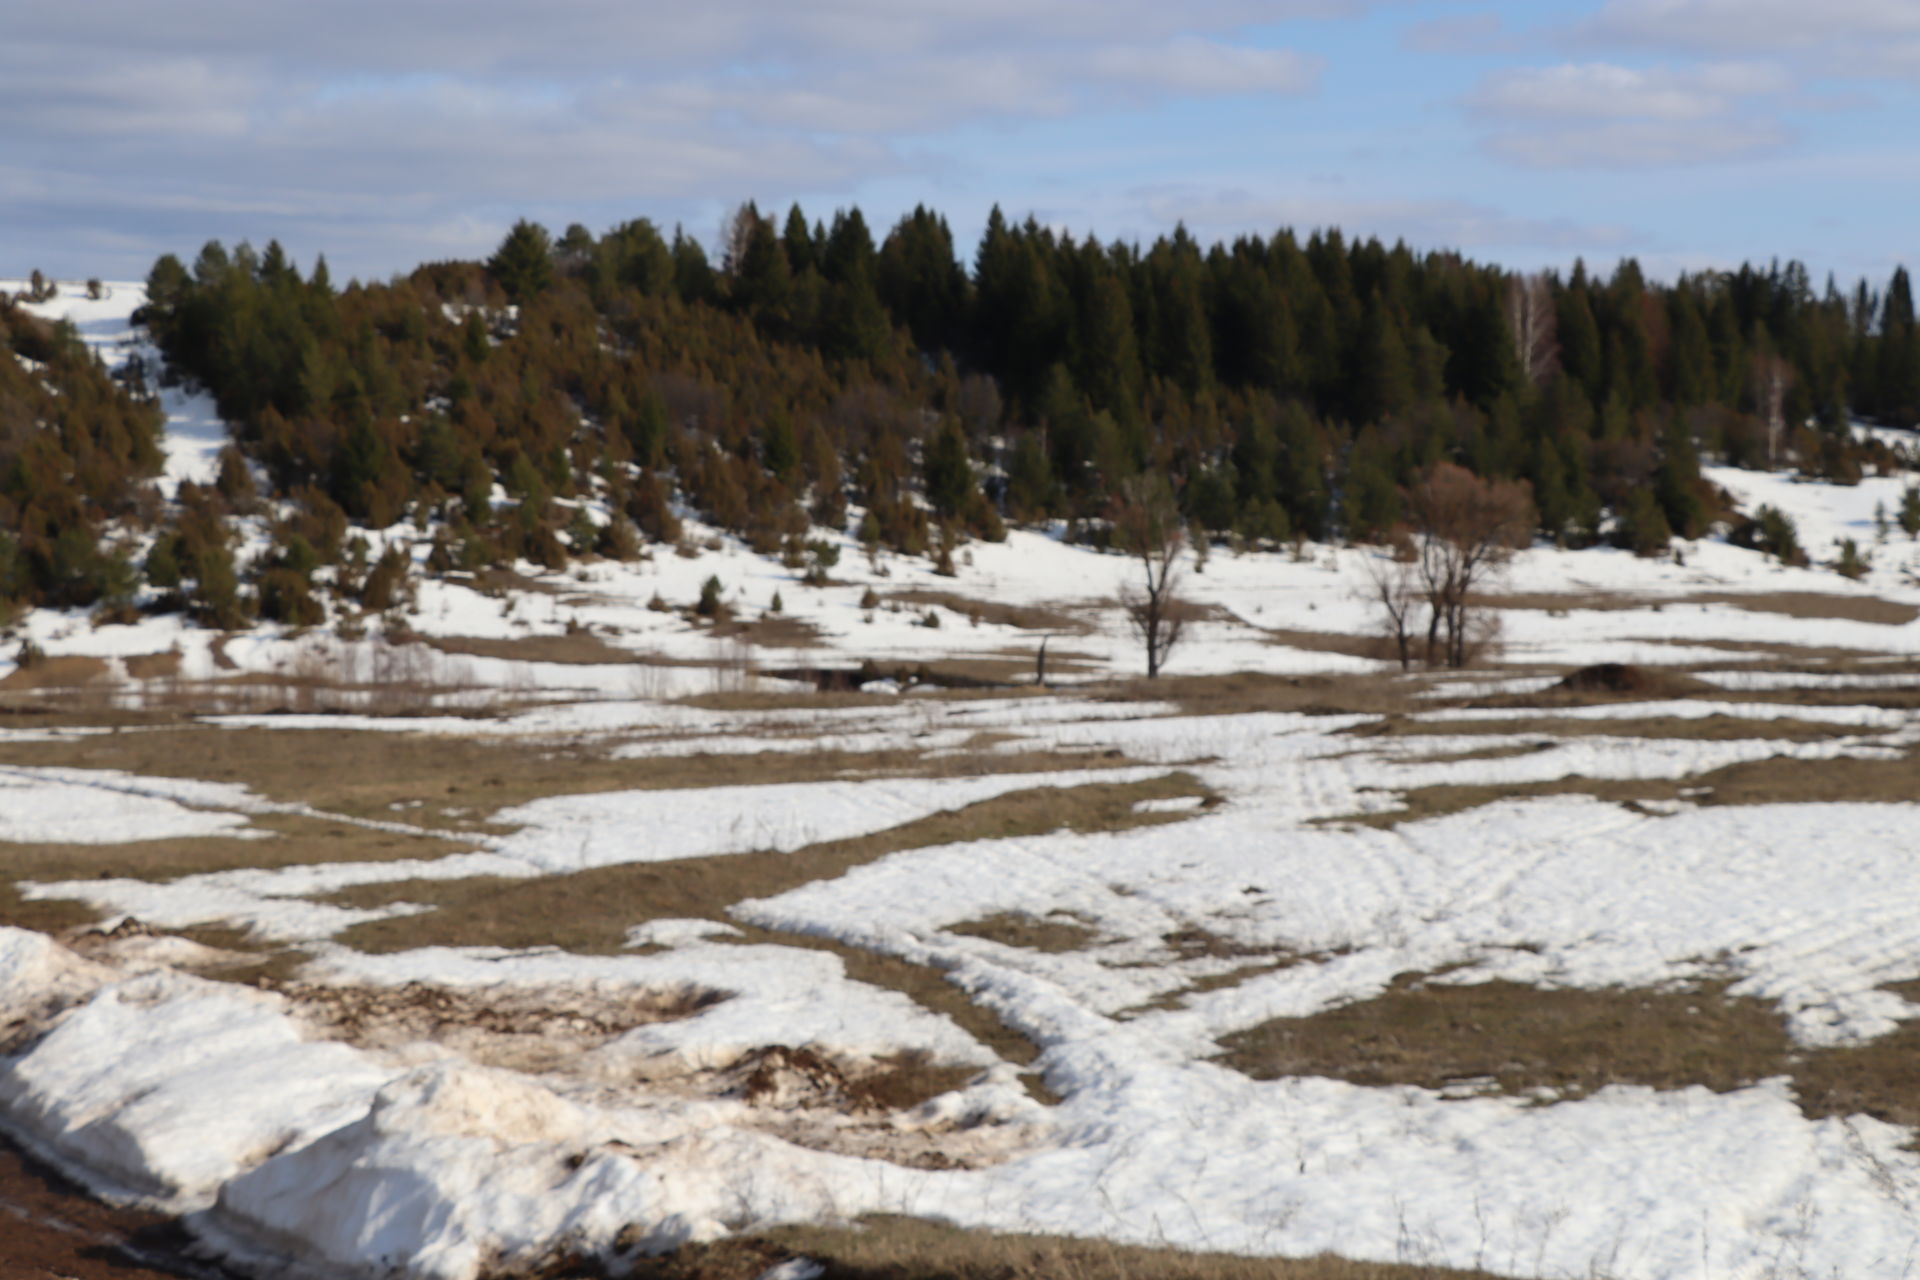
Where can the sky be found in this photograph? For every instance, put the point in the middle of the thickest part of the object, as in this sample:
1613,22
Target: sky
1688,134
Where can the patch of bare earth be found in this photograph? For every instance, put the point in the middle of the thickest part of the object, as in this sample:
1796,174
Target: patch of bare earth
591,911
54,673
1561,1043
1244,692
1021,617
1718,727
52,1230
895,1248
575,648
1056,932
449,782
533,1029
1793,604
1775,780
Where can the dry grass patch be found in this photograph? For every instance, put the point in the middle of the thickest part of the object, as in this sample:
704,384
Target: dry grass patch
1793,604
1510,1038
153,666
1718,727
1243,692
297,840
591,911
54,673
1372,648
895,1248
579,648
526,1029
1055,933
1509,752
1422,803
1022,617
447,782
1556,1044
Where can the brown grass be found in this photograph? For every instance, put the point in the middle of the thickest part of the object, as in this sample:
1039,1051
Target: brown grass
770,631
1023,617
299,840
1243,692
1056,932
1566,1043
65,671
1371,647
153,666
591,911
1793,604
364,774
581,648
1422,803
894,1248
1718,727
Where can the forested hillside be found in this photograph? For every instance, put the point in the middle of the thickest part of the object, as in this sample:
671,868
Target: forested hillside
1286,389
74,447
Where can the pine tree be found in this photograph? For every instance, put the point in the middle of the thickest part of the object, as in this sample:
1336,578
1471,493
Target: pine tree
523,264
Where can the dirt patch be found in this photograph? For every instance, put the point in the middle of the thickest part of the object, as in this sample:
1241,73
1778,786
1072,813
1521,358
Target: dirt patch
786,1078
770,631
1793,604
1477,753
153,666
451,783
521,1029
1055,933
1372,648
51,1228
1422,803
1022,617
1555,1044
298,840
1243,692
1509,1038
1625,678
1718,727
892,1248
62,672
580,648
591,911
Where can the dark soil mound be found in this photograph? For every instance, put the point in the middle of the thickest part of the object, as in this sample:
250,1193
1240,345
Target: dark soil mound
1622,677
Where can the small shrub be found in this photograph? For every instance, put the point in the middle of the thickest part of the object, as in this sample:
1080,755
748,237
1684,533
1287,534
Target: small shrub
870,599
931,620
777,605
709,605
658,605
30,655
1851,564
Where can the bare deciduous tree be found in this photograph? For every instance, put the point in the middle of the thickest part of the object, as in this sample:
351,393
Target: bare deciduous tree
1147,526
1465,528
1530,318
1394,585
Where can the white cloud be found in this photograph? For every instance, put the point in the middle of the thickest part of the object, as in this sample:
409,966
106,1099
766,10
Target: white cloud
1640,144
1842,38
1602,115
468,109
1601,91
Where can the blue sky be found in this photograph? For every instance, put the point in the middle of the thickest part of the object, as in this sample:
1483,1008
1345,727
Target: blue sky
1686,133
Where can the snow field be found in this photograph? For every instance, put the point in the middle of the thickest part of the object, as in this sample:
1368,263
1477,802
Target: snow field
156,1085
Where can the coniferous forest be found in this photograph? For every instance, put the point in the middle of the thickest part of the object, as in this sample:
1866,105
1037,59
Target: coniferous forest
1286,389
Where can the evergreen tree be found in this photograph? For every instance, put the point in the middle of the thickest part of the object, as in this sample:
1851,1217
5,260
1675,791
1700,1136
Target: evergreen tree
523,264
